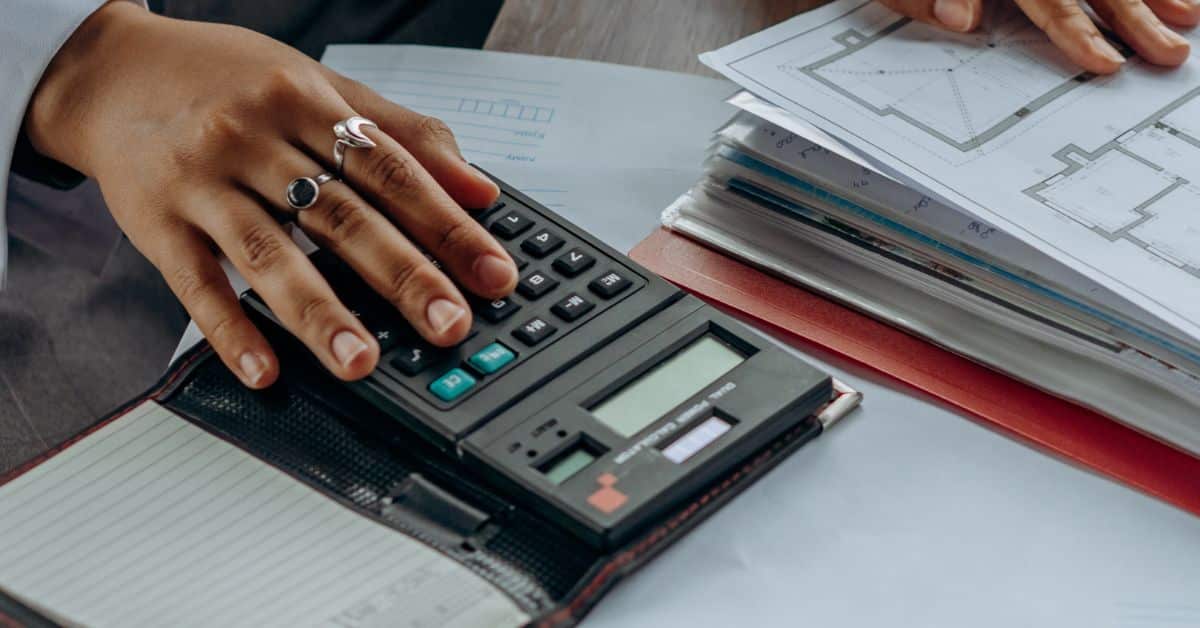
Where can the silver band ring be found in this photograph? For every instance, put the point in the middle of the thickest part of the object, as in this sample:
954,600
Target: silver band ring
349,135
303,192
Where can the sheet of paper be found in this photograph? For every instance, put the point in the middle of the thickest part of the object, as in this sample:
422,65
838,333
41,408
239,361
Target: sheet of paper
1103,173
151,521
546,111
838,171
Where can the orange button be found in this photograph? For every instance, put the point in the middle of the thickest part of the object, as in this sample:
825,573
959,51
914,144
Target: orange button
606,499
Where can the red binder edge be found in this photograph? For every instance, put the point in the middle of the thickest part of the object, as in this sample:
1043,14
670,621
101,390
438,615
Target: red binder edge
1063,428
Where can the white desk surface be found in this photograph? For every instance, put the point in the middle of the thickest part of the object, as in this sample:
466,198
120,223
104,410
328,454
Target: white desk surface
909,514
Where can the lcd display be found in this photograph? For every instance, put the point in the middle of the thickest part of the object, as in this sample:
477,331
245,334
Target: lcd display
643,400
566,466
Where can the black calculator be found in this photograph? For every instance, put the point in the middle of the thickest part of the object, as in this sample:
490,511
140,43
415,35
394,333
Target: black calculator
598,393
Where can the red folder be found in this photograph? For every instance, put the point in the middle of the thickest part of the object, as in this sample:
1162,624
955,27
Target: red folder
1061,427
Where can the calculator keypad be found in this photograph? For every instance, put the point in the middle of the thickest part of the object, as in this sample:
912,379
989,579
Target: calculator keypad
556,294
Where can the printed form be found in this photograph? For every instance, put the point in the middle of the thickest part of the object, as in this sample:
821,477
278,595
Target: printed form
1101,173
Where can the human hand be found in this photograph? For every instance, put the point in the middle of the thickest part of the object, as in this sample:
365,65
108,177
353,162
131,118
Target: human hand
1139,23
194,131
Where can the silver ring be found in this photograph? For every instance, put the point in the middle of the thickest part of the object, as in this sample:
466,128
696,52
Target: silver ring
349,135
303,192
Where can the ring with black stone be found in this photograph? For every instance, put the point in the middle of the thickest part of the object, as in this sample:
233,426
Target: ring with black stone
303,192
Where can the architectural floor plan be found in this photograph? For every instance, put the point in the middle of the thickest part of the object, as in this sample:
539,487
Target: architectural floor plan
995,78
1143,186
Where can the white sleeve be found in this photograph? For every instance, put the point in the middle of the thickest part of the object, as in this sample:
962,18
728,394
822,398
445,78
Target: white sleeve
31,32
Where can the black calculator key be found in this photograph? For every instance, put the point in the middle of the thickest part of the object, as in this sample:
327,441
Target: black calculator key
387,337
511,225
572,307
609,284
573,262
534,331
542,243
521,262
498,310
536,284
413,358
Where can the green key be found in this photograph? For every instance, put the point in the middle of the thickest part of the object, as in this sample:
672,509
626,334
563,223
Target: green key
491,358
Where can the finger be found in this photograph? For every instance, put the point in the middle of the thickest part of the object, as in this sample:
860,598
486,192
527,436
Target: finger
428,139
195,276
393,181
1177,12
1065,22
956,15
296,293
1139,27
342,222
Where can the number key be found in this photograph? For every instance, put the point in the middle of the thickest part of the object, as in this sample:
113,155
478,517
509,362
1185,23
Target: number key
573,262
536,284
542,243
511,225
498,310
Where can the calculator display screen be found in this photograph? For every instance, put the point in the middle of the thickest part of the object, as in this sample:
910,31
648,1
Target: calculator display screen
643,400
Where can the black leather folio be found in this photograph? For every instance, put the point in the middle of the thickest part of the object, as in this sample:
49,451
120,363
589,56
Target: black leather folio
313,429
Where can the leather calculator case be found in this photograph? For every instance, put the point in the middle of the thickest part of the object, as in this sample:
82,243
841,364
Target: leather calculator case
316,431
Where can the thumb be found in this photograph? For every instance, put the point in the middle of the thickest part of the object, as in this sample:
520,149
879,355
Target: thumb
957,15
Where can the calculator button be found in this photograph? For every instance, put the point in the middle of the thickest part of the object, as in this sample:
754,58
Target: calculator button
541,243
387,338
536,284
454,384
498,310
511,225
491,358
413,358
573,262
572,307
534,331
521,262
609,285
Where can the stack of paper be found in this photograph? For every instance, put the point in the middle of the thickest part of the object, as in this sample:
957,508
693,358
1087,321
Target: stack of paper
978,190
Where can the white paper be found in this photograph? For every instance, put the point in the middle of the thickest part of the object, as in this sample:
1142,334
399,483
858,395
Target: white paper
1103,173
151,521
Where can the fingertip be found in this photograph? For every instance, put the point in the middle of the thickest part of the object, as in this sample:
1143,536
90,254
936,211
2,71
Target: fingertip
1172,49
1098,56
447,322
477,190
957,15
355,356
494,276
257,370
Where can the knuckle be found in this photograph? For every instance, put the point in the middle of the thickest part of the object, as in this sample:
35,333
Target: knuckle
224,332
191,285
456,234
261,248
406,279
434,130
394,174
345,219
284,85
314,310
1060,15
222,126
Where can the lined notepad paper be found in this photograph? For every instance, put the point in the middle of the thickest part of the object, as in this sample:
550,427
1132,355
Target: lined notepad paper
151,521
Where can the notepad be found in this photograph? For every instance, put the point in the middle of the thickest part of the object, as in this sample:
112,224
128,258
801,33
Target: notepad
152,521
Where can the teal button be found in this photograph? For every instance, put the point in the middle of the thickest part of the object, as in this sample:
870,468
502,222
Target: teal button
491,358
454,384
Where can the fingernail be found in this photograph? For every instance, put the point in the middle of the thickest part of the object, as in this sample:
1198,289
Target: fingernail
494,272
442,314
347,346
253,366
1103,47
953,14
